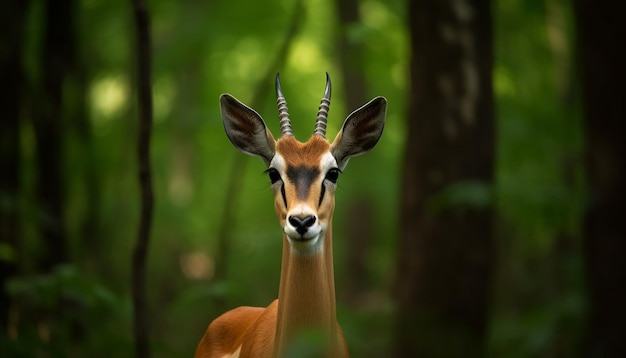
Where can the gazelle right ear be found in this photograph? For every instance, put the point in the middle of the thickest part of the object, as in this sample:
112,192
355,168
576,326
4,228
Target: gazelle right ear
246,130
360,132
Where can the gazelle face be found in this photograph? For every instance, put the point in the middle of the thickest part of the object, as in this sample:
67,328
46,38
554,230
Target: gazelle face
303,176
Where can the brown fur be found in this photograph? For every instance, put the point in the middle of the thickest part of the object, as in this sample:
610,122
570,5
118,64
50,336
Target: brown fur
297,153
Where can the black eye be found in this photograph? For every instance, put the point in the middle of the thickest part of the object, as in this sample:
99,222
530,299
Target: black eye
333,175
273,174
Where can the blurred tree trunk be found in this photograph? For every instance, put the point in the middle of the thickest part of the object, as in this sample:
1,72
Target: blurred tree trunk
12,14
358,232
445,256
57,61
350,53
143,43
601,37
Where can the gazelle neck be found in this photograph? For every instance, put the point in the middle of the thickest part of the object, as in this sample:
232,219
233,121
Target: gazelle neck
307,297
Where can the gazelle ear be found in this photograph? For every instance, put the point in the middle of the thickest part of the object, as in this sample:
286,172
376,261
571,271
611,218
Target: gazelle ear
360,132
245,129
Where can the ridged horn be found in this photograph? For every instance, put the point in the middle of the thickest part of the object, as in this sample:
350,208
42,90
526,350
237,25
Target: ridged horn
283,115
322,114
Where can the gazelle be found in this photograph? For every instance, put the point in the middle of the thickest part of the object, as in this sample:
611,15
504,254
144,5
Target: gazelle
303,177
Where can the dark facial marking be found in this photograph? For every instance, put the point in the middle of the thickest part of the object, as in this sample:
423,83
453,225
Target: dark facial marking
282,191
302,177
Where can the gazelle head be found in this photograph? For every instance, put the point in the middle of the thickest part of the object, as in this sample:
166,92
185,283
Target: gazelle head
303,175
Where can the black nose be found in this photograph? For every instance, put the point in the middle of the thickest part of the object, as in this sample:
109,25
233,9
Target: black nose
302,224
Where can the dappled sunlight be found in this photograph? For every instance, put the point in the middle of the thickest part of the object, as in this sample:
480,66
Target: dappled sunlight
375,14
108,97
243,59
305,55
197,265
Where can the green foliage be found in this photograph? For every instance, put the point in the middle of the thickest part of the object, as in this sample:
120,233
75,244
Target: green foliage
66,313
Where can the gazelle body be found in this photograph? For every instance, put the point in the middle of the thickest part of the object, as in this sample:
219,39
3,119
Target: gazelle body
303,178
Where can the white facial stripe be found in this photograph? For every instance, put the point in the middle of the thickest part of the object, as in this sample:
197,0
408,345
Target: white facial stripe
278,162
327,162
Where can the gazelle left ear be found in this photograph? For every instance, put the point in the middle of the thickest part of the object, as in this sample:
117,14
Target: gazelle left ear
360,132
245,129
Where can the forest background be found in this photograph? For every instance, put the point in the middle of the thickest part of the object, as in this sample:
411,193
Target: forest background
69,201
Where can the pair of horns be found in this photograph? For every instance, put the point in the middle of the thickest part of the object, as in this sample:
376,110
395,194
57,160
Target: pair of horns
322,114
